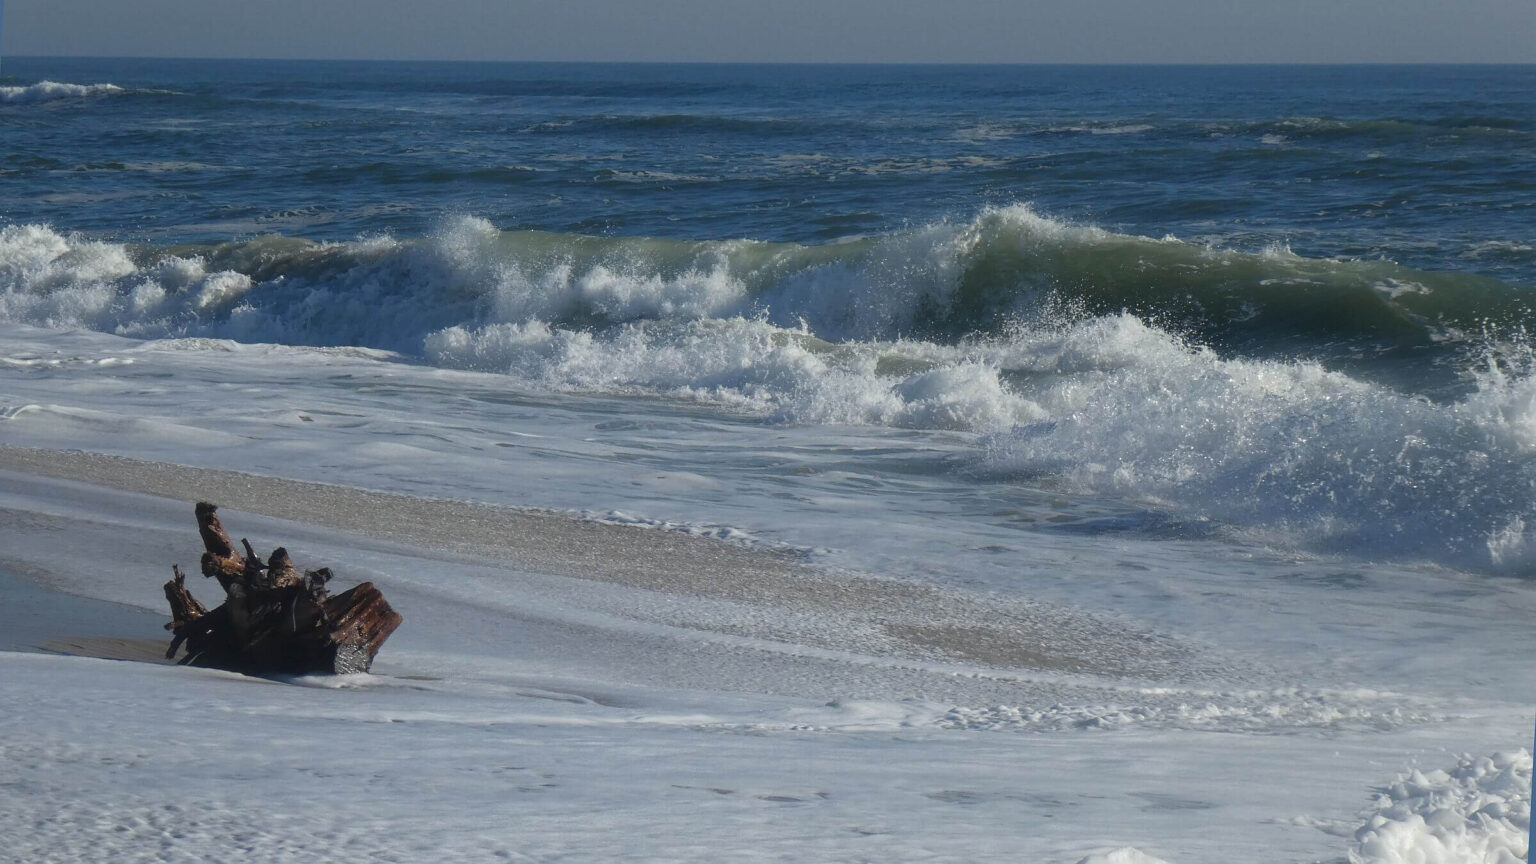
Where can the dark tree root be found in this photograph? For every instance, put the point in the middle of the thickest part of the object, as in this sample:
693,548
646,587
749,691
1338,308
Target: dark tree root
273,620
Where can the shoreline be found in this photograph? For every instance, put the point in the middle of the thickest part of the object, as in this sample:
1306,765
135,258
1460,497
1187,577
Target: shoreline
731,590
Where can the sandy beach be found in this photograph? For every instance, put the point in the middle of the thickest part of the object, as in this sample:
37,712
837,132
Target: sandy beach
546,635
749,595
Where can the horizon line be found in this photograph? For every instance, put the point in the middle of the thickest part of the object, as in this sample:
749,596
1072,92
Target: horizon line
986,63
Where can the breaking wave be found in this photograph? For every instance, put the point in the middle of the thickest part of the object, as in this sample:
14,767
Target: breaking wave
944,283
48,91
1354,406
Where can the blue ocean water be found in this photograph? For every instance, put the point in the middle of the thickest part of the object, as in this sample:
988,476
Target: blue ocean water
1290,299
1428,166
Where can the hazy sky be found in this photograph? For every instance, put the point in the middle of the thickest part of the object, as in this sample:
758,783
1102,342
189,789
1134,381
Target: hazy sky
974,31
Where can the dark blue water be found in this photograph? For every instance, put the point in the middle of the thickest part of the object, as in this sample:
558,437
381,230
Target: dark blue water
1427,166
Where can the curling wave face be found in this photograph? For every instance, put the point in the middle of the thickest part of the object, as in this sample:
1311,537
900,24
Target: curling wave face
1351,406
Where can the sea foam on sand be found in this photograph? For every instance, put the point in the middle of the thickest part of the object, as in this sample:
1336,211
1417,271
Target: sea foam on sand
1479,810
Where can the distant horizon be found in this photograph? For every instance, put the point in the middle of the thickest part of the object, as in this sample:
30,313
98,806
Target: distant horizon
545,62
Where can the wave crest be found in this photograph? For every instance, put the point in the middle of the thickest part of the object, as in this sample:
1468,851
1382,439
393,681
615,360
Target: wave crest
947,283
48,91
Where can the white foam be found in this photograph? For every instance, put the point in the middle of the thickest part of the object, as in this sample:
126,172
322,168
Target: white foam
746,365
1123,855
1272,712
47,91
65,281
1099,129
1304,455
1478,811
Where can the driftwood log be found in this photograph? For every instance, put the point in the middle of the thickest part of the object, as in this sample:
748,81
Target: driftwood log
273,620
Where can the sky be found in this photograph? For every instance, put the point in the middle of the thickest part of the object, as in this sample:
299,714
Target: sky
912,31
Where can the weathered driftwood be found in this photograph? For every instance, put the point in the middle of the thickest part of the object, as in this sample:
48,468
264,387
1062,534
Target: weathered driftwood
272,618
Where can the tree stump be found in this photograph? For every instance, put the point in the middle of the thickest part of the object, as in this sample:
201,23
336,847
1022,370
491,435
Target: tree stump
273,620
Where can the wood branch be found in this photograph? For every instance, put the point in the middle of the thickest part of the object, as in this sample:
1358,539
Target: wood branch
184,609
219,561
280,572
273,620
215,540
226,570
252,576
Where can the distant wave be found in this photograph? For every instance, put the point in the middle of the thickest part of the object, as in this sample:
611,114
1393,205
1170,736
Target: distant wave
1387,129
1103,129
1085,356
672,122
48,91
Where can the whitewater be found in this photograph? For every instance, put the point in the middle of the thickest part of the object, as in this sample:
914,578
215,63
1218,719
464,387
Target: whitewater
1192,531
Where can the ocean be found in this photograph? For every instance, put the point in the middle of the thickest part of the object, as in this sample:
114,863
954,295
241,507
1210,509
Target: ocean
1215,384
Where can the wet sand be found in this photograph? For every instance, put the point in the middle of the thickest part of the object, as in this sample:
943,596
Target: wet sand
847,611
34,618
